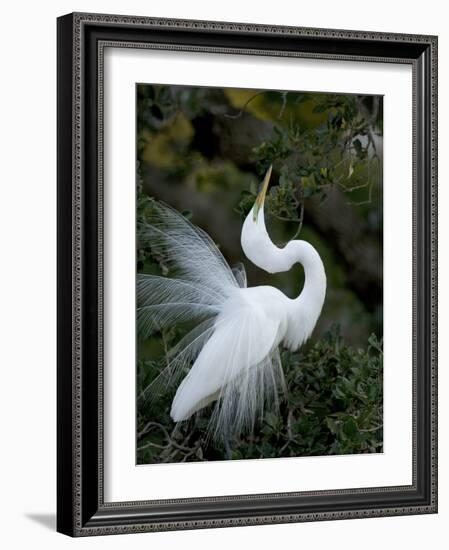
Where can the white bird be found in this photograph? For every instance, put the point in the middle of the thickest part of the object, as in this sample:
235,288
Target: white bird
232,354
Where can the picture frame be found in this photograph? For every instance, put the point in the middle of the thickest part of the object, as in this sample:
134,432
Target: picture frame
81,506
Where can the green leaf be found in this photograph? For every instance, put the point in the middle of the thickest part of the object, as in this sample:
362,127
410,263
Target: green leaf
350,428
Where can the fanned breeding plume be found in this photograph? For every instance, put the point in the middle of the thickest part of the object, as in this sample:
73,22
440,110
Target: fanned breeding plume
231,356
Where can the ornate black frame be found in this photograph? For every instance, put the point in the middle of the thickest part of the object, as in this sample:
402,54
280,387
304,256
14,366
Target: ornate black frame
81,508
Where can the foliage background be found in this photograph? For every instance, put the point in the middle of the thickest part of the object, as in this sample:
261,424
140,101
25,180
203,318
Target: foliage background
204,151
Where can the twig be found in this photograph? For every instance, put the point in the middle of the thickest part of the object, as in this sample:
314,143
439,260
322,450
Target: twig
150,444
301,219
284,104
354,188
372,429
150,425
298,220
242,110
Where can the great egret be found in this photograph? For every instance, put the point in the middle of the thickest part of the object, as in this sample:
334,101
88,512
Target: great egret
234,346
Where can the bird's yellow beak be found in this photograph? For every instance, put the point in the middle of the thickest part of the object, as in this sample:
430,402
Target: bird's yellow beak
261,196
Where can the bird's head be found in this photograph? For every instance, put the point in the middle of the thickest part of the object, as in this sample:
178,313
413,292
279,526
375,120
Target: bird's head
255,241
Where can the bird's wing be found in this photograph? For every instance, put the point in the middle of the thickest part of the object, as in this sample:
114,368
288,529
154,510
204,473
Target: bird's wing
239,365
163,302
201,282
188,251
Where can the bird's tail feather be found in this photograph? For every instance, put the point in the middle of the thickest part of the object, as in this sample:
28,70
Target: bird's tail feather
200,282
243,401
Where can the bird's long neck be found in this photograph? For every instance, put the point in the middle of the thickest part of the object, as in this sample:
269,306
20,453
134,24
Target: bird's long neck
261,251
304,310
314,289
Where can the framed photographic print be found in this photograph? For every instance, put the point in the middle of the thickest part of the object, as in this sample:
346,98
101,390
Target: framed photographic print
246,274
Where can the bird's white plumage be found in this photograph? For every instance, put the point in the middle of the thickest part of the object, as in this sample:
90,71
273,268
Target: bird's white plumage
245,333
232,355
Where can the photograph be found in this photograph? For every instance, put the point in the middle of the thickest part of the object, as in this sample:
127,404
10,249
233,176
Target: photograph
259,273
